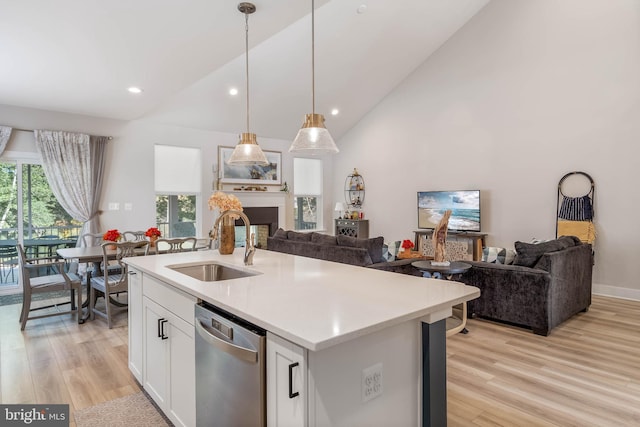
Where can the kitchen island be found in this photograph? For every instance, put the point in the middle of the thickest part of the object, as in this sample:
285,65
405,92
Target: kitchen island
343,319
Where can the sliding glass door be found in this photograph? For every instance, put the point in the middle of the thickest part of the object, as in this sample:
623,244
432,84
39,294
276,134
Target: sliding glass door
30,215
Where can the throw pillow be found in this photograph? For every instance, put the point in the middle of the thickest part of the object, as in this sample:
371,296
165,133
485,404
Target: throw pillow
280,234
373,245
390,250
323,239
528,254
498,255
297,236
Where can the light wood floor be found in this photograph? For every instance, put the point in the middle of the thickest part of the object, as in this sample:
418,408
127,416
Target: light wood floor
585,373
55,360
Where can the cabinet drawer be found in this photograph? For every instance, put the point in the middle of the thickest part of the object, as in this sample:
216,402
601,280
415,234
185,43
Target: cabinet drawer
169,297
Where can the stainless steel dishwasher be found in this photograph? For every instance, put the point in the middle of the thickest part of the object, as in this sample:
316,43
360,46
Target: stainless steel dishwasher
230,370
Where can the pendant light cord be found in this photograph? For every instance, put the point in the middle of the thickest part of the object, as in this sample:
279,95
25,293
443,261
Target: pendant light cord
313,59
246,49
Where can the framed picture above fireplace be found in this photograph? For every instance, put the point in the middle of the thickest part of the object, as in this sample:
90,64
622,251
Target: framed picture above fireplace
270,174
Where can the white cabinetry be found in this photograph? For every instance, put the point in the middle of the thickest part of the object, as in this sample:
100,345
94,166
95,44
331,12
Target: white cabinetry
286,383
135,323
169,350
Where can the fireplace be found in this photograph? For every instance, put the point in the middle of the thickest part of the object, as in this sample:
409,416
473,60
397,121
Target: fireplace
264,223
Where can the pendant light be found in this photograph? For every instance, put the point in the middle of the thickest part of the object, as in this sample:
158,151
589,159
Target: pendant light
313,137
247,152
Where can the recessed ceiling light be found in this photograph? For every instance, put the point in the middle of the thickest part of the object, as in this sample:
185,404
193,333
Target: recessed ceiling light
233,91
335,112
134,89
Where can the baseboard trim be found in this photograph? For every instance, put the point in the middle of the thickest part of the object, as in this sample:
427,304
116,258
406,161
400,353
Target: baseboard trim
616,292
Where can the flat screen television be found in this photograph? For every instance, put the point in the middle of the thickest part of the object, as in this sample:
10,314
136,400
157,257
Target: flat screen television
464,205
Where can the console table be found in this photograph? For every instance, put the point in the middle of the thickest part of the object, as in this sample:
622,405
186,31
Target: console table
353,227
477,240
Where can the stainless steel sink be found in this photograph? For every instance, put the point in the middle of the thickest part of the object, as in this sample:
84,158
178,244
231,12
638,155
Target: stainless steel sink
211,271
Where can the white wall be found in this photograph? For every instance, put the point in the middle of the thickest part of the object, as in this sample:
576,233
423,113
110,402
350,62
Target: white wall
524,93
129,168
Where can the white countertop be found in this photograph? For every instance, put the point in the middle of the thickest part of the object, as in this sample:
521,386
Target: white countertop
315,304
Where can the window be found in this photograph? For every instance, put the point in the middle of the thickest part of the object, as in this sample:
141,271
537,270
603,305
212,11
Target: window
307,190
30,214
177,183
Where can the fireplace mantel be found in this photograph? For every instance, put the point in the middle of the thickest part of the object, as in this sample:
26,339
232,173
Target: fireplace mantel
264,199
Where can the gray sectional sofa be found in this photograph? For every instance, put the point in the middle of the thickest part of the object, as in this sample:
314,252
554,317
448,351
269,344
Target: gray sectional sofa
548,283
343,249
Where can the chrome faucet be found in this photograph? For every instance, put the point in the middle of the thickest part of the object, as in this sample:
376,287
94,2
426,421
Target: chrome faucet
249,247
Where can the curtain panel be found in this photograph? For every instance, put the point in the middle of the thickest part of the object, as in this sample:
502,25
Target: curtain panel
73,164
5,134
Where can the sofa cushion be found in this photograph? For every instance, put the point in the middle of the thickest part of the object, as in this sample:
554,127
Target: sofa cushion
280,234
298,237
528,254
373,245
498,255
323,239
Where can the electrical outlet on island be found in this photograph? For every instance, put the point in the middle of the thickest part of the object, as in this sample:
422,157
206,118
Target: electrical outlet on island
371,382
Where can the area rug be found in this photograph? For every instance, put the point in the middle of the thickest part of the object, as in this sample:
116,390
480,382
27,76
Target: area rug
133,410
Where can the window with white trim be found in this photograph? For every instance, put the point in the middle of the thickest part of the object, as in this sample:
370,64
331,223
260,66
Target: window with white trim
177,181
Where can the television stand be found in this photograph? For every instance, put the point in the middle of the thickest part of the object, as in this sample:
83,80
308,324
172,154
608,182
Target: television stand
476,239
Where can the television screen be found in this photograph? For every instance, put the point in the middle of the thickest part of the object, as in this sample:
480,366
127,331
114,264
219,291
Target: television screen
464,206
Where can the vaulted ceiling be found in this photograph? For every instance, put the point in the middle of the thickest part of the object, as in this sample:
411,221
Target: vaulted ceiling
80,56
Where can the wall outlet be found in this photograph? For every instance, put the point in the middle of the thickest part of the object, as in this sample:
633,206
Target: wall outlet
371,382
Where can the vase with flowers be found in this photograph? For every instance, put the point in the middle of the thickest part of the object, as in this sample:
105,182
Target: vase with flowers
112,236
224,202
407,245
153,233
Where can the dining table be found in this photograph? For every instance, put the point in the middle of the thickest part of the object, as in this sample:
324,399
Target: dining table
32,246
89,255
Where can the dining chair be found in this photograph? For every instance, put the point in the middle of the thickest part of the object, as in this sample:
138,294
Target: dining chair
110,282
35,282
134,236
169,246
91,239
8,261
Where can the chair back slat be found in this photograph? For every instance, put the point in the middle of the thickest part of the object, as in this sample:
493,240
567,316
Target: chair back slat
168,246
134,236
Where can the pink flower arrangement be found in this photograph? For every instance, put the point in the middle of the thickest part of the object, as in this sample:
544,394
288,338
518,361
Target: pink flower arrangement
112,236
153,232
224,202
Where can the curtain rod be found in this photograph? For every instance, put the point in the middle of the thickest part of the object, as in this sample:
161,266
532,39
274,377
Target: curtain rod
31,130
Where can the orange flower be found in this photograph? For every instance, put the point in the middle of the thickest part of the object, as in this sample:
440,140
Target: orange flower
407,244
153,232
112,235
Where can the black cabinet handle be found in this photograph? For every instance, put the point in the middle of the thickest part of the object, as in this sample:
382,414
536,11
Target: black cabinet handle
291,393
159,327
162,323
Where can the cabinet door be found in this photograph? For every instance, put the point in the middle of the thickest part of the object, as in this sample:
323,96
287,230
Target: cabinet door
135,323
155,352
286,383
182,373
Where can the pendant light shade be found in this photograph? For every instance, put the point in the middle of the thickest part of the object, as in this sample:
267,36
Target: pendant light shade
247,152
313,137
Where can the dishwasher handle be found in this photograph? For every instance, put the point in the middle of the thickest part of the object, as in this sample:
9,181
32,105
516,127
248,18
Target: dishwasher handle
239,352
